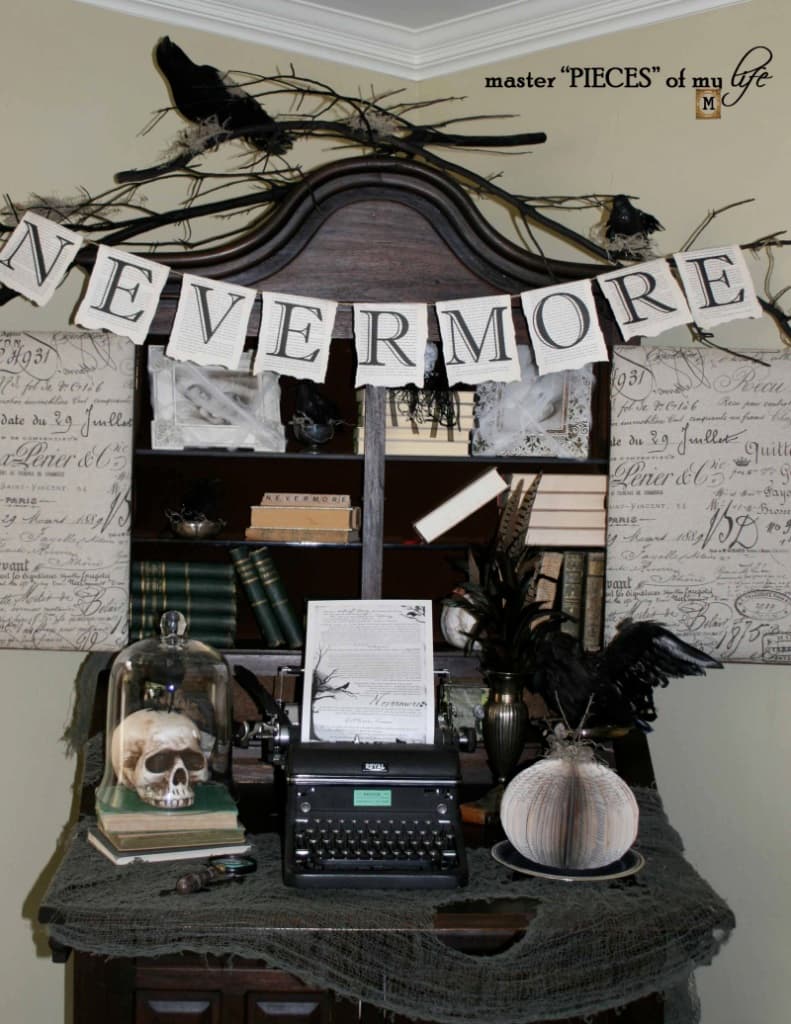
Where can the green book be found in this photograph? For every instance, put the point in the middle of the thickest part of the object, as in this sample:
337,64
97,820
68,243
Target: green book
571,589
181,577
201,606
226,641
256,595
120,809
276,592
212,622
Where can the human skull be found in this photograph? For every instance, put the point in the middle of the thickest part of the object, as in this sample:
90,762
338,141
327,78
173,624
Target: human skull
158,754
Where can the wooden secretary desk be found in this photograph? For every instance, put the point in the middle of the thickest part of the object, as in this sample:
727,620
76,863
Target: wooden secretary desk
364,229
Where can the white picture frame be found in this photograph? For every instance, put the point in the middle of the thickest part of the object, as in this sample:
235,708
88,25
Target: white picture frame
547,415
213,407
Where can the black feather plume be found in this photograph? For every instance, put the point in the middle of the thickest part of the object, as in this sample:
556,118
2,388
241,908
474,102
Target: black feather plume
618,681
202,94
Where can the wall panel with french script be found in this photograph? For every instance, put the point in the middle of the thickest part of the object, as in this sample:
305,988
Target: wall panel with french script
699,514
65,471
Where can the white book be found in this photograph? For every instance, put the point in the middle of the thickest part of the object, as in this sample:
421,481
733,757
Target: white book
460,505
565,537
105,847
568,518
587,483
565,501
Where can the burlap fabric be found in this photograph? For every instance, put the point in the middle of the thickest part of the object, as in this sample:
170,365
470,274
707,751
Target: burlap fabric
591,946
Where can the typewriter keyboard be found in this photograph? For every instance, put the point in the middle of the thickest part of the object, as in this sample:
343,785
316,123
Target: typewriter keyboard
373,845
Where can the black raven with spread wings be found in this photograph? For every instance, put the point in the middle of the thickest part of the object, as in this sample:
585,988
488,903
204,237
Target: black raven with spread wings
619,681
203,94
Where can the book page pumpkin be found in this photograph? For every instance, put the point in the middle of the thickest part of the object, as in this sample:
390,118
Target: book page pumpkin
569,811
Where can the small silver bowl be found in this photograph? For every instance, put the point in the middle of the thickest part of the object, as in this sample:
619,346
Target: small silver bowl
197,527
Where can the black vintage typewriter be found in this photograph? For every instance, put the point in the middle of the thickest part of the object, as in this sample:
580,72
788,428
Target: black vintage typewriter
372,816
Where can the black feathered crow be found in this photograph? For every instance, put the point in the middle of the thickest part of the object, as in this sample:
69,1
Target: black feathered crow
201,94
626,219
314,406
618,681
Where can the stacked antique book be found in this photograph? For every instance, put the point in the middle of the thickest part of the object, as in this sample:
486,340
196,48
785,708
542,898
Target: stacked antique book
305,518
260,579
568,509
569,513
204,592
422,422
128,829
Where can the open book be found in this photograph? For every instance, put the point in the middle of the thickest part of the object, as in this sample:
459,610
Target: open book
369,672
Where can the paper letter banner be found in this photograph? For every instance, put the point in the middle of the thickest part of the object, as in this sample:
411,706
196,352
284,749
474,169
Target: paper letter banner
478,339
718,285
122,294
211,322
390,341
645,299
36,257
295,335
564,326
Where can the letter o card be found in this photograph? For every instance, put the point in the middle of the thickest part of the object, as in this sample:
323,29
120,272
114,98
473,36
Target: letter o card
564,327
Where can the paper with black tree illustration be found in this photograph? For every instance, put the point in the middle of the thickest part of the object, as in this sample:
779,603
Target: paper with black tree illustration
369,672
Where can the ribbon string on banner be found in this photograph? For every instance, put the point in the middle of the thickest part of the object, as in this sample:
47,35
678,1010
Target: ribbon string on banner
478,334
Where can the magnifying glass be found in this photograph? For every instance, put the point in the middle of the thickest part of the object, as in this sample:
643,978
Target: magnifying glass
222,868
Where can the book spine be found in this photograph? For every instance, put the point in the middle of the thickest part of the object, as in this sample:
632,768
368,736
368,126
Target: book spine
215,623
198,605
272,533
173,571
220,640
567,483
549,573
256,595
568,519
565,536
183,592
571,590
431,447
294,517
275,591
593,613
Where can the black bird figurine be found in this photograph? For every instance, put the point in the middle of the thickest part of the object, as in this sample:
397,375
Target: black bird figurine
315,415
618,682
203,94
628,228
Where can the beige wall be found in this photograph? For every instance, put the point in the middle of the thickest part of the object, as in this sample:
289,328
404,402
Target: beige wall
78,83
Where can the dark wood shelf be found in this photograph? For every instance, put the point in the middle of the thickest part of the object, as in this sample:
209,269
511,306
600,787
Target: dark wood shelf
471,460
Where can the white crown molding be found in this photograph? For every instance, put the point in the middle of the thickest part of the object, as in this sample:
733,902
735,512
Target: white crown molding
508,30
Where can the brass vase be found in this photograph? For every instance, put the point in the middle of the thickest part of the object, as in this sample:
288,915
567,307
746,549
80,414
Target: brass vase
505,723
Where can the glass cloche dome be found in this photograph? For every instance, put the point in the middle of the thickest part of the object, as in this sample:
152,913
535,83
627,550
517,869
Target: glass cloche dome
168,720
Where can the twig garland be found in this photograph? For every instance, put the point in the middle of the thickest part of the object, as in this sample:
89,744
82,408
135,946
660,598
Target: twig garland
379,124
